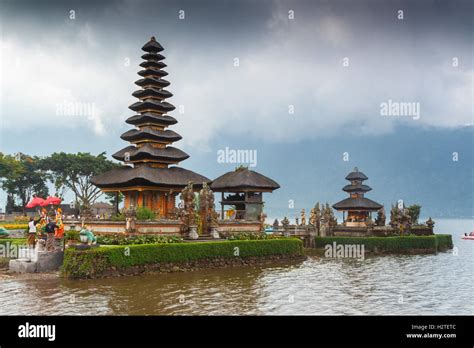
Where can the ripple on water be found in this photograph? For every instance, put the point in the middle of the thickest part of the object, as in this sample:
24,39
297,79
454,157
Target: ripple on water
391,285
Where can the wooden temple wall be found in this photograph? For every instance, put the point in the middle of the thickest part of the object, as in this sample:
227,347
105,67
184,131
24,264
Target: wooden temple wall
155,200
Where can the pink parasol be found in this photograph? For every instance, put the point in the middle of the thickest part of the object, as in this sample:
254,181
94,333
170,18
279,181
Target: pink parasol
36,201
51,201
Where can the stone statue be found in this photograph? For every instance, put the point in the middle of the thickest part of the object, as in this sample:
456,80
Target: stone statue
262,218
130,219
405,221
312,217
41,245
187,196
370,225
187,211
276,225
87,236
318,216
380,221
209,217
394,216
328,221
286,226
323,231
303,217
400,220
326,214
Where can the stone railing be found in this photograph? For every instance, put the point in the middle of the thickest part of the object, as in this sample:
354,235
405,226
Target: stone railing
164,227
227,228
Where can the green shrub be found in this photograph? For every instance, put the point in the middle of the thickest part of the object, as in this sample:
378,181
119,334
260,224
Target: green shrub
123,239
392,244
252,236
414,212
145,214
71,235
81,264
445,241
118,217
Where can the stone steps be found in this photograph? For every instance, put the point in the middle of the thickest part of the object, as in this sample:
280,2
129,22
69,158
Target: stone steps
46,261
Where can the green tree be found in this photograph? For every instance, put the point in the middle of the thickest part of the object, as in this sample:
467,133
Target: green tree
414,212
21,178
111,197
75,171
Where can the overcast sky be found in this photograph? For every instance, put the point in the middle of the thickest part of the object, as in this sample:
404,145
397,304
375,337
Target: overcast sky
331,62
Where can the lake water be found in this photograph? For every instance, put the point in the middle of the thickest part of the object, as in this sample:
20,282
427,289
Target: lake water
388,285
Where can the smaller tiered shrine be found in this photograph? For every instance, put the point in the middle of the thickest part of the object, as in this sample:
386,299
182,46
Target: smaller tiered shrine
358,207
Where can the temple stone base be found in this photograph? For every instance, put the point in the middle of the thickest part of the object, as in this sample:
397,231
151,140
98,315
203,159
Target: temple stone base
49,260
22,266
46,261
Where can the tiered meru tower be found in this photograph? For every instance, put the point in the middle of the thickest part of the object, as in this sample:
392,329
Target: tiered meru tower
357,206
147,178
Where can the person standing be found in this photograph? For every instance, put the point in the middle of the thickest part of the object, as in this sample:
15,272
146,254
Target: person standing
32,231
50,230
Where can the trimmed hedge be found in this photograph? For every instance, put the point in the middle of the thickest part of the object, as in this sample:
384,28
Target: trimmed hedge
121,239
15,241
437,242
87,263
445,241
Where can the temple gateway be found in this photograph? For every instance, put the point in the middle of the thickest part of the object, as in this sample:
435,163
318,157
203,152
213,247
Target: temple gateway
150,178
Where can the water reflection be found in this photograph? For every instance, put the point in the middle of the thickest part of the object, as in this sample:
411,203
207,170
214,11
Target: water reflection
418,284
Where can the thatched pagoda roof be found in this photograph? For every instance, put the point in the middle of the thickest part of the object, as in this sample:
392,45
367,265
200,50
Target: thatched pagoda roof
356,175
153,64
357,188
153,57
154,82
147,133
151,104
243,180
360,203
151,119
152,92
148,176
152,72
152,46
149,153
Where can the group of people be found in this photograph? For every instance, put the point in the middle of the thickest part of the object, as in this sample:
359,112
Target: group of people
48,227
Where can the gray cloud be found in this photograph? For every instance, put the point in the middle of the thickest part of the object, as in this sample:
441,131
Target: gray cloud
284,63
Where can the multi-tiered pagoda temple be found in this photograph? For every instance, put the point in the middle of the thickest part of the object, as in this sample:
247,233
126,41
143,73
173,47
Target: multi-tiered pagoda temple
357,206
148,179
